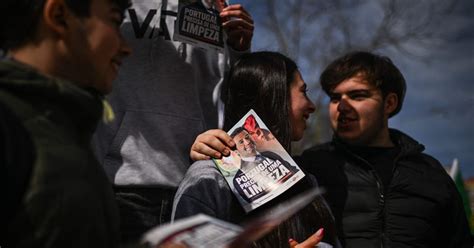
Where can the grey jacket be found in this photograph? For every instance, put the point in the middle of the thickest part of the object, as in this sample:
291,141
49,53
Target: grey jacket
205,190
166,94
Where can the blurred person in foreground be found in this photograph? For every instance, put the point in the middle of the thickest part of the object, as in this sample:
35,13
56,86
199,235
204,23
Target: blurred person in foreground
62,56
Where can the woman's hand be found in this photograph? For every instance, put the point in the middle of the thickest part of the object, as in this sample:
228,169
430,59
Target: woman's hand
213,143
310,242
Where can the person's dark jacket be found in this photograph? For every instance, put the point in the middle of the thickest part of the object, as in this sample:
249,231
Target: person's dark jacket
421,207
62,197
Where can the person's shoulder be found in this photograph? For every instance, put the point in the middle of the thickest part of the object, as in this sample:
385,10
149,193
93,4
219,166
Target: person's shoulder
203,167
432,164
430,159
202,172
202,182
430,169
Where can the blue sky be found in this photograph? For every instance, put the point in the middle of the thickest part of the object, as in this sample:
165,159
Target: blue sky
439,106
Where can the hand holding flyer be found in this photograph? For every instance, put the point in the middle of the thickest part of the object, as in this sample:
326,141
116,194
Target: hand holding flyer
198,23
259,169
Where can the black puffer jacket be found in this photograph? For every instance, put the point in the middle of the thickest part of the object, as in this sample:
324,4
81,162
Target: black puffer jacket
421,207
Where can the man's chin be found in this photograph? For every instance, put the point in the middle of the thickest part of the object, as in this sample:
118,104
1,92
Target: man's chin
347,137
104,86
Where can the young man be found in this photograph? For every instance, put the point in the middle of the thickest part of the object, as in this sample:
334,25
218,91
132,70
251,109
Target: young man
383,191
62,56
164,96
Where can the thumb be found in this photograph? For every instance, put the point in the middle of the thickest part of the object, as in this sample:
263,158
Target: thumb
309,242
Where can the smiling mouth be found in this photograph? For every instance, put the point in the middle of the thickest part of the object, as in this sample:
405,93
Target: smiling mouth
306,117
345,120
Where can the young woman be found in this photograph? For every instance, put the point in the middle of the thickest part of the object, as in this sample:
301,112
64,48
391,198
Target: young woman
270,84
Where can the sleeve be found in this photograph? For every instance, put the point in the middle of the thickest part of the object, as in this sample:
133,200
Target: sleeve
458,228
203,190
455,227
189,199
234,55
16,161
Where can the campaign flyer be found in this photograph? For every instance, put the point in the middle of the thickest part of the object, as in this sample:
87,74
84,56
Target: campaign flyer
259,169
196,231
202,231
199,24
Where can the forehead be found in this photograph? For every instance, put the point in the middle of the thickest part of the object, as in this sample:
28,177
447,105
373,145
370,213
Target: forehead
241,135
118,6
357,82
297,79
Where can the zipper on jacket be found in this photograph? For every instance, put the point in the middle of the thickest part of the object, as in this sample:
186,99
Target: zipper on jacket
382,201
381,189
382,204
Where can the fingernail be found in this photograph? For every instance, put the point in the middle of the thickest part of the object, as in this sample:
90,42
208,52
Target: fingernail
231,143
320,232
226,151
291,240
217,155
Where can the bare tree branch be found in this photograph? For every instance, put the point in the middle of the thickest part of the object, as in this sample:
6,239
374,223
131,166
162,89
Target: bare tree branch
314,32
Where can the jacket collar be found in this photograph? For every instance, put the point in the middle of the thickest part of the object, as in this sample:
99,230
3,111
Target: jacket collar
407,144
82,106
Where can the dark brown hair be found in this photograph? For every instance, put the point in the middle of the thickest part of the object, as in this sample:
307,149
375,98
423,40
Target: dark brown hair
377,70
261,81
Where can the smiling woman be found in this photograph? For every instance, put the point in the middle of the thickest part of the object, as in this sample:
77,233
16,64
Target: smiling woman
271,85
279,98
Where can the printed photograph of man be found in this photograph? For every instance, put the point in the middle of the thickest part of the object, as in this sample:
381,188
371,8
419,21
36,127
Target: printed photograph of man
259,173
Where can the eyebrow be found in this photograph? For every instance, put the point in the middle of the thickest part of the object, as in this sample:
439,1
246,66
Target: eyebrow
353,91
359,91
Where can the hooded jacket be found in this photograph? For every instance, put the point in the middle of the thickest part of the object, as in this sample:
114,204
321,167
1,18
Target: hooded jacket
420,208
64,198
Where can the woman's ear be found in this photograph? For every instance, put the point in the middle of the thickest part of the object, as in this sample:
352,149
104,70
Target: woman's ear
391,103
55,15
